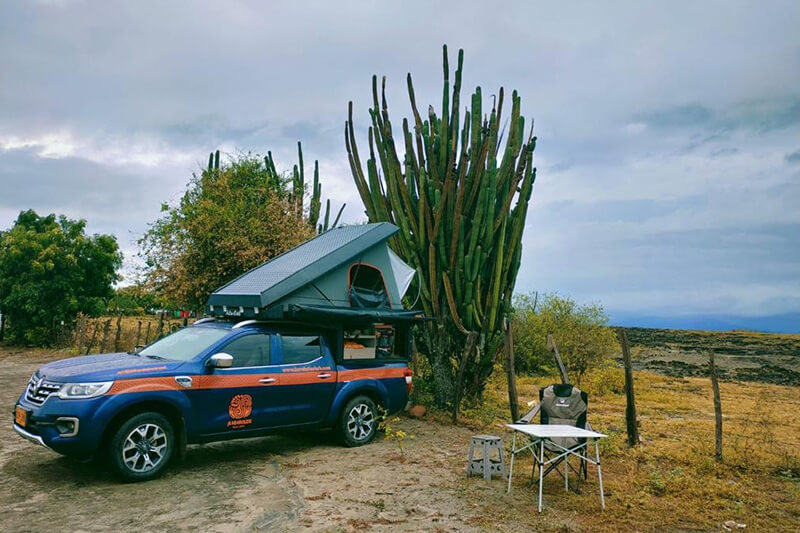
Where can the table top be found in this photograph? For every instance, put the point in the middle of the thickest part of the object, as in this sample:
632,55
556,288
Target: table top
554,431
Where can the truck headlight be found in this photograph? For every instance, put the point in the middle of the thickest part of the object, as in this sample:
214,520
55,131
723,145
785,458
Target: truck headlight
81,391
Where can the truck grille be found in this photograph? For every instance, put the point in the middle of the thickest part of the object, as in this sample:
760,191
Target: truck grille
39,389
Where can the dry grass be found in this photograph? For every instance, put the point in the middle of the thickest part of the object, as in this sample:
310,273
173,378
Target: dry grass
671,481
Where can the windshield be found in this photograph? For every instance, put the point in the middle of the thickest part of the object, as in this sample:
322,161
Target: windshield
184,344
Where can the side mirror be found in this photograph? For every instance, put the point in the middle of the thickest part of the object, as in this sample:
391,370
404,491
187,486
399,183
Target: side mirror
220,360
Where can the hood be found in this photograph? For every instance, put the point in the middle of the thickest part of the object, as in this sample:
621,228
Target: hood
105,367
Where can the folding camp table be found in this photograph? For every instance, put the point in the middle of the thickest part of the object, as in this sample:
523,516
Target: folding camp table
541,433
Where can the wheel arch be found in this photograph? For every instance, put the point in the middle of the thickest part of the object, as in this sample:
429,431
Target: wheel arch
149,405
372,389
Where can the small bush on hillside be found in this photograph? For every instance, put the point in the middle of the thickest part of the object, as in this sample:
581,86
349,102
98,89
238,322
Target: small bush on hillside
607,379
581,332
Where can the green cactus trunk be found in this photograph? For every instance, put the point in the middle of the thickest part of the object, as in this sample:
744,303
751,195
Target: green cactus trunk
462,215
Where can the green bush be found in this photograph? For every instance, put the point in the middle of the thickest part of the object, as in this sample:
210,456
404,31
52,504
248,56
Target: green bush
608,379
584,340
49,271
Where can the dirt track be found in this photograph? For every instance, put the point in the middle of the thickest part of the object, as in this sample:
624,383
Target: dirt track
304,482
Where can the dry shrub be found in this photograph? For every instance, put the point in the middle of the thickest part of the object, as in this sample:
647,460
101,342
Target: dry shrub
605,380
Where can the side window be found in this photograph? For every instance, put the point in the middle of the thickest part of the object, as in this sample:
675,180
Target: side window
301,348
252,350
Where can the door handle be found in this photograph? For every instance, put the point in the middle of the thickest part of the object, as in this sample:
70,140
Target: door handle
323,376
266,381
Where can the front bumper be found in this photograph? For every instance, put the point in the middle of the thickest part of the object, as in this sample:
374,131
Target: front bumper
36,439
59,425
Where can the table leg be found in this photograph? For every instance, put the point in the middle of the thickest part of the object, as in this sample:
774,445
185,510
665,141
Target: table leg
541,471
513,454
599,474
566,473
487,473
471,455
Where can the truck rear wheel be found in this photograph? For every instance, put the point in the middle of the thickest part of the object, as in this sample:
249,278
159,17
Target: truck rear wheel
142,447
359,421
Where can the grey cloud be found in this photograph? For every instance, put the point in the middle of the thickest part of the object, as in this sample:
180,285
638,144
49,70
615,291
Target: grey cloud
758,115
685,116
793,157
646,114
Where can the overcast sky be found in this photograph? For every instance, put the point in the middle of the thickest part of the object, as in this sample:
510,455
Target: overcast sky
669,134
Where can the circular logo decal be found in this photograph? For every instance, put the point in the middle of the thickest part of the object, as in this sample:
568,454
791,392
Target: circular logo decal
241,406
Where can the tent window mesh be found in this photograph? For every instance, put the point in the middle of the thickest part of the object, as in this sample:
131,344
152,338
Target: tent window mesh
367,288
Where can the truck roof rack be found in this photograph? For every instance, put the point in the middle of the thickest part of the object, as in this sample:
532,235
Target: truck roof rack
204,320
245,323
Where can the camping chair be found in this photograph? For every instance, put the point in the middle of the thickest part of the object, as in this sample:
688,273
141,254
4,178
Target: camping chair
561,404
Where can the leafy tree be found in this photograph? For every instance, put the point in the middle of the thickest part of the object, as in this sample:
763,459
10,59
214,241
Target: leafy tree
580,331
232,217
49,271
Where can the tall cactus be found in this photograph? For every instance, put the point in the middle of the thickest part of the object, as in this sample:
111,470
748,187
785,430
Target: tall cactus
298,189
460,198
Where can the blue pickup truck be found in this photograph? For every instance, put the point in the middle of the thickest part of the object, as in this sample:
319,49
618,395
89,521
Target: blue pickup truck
212,381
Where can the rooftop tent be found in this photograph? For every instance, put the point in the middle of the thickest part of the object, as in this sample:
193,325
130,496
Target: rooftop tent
349,268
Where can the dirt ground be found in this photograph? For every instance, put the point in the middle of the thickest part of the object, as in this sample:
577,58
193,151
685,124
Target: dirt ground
302,482
308,482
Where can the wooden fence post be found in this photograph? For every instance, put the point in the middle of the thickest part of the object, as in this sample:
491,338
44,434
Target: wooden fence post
91,342
147,334
717,408
106,330
138,334
161,324
510,373
79,333
118,335
631,422
551,343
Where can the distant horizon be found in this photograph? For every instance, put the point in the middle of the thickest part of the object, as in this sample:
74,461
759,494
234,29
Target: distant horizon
787,323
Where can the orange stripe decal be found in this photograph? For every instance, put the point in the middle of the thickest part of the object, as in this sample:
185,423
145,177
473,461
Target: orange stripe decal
372,373
298,376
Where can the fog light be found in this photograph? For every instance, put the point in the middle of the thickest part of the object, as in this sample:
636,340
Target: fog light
67,426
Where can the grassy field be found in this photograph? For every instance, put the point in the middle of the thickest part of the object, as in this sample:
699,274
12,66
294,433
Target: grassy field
671,481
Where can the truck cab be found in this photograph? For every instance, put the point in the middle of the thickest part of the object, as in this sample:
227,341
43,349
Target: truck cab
214,380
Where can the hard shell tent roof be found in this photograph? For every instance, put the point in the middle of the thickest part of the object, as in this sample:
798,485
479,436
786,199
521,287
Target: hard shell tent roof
344,268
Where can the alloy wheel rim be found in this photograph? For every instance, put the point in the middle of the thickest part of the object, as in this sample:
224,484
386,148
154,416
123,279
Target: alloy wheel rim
360,421
144,448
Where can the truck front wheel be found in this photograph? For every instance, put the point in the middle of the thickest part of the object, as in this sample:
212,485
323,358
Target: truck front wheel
359,422
141,447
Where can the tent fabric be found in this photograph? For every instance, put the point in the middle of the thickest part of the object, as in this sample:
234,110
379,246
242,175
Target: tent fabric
300,266
403,274
366,298
362,315
350,269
